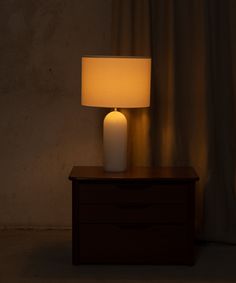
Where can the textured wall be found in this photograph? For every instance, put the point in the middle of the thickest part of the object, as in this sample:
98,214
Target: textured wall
43,129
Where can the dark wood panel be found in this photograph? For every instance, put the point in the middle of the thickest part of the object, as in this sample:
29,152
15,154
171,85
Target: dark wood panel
167,174
75,222
133,213
133,192
142,216
101,243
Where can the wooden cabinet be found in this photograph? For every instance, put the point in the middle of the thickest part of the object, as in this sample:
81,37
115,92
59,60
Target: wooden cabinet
142,216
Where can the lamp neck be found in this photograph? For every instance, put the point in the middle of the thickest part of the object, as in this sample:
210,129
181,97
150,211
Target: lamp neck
115,109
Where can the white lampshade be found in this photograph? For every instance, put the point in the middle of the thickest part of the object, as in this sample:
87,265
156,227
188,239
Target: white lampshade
116,82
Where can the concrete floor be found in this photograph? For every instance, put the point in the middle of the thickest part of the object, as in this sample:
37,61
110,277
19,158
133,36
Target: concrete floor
45,256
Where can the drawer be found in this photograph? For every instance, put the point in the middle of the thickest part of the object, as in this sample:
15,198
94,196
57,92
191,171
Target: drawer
133,192
133,213
137,243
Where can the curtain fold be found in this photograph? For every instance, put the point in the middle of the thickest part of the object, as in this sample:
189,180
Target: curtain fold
131,36
220,203
179,134
191,120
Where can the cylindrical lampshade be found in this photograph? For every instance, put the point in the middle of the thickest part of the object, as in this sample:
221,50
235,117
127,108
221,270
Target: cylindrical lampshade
116,82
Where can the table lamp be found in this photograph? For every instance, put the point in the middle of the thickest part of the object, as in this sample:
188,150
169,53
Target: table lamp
115,82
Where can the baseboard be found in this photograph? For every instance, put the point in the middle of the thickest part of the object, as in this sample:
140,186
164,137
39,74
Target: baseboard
33,227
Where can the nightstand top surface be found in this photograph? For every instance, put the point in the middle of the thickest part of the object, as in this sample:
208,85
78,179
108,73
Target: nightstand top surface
186,174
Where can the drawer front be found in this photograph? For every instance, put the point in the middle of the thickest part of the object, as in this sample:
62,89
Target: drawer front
110,243
133,213
133,192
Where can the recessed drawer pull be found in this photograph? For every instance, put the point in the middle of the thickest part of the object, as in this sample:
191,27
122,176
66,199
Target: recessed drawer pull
132,187
135,226
133,205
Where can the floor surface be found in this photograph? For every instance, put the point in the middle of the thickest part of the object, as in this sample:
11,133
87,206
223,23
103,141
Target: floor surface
45,256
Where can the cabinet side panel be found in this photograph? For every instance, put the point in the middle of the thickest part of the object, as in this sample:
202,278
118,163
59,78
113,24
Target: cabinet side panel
191,223
75,222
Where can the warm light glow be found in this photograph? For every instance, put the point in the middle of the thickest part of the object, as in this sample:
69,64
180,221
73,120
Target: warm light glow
116,81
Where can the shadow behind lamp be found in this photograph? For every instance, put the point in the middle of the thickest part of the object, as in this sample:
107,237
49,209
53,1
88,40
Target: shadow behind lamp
115,82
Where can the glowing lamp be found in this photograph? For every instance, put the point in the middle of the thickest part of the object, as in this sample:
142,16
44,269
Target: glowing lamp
115,82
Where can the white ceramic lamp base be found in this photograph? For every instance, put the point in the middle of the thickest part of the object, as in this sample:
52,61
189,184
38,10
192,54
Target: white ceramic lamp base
115,142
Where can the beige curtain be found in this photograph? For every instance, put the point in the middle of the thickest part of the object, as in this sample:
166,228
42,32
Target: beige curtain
191,120
131,36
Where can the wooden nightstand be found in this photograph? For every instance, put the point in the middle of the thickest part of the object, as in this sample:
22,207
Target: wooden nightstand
143,216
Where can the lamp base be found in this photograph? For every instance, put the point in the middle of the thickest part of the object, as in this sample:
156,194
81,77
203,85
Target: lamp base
115,142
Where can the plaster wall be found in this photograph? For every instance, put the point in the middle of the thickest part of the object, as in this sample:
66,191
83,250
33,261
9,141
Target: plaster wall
43,129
